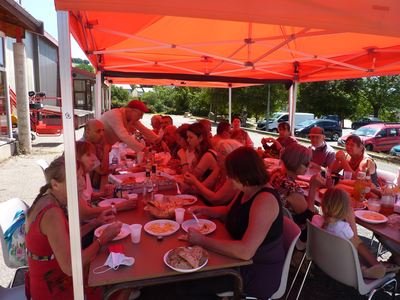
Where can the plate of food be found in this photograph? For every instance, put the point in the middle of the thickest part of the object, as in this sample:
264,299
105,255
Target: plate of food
125,231
303,184
161,227
183,199
370,216
186,259
111,201
205,226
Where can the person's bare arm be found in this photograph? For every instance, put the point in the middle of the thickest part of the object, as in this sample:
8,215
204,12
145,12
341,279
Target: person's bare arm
206,162
298,202
263,213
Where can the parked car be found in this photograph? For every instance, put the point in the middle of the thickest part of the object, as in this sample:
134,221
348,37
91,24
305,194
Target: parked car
365,121
279,117
332,128
395,151
331,117
380,137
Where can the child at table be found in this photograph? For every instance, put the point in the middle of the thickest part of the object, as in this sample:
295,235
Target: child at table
338,219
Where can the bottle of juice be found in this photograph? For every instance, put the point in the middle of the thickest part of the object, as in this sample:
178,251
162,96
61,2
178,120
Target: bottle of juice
387,205
360,187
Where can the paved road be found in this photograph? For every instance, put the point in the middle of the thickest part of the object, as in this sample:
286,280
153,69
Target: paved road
21,176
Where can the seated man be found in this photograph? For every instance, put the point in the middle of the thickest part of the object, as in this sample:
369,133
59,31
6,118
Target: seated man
323,155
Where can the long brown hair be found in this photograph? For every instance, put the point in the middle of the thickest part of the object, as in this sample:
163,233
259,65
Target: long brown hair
200,131
81,148
56,171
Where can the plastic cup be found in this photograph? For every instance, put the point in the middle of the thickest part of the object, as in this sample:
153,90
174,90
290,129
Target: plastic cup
374,205
132,196
136,232
159,197
179,215
347,174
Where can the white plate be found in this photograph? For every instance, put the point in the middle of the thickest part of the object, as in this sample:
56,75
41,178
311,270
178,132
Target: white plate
370,216
150,226
125,231
108,202
192,199
210,225
182,270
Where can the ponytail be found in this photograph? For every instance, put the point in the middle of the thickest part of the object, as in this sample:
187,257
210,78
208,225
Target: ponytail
56,171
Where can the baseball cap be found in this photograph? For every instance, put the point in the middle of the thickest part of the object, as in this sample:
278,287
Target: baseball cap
315,131
137,104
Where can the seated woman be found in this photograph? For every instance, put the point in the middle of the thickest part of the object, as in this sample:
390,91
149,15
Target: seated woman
206,157
239,134
338,218
296,159
356,160
48,242
185,153
86,160
254,220
278,145
219,189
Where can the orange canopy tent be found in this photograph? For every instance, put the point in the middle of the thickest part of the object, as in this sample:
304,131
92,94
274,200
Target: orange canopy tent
286,40
235,42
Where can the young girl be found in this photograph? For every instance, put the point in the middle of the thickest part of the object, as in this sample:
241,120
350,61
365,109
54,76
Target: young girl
338,218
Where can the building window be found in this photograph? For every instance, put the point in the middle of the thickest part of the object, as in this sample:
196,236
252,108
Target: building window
2,55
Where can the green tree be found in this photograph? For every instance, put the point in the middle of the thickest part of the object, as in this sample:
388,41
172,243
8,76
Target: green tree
85,67
379,96
119,96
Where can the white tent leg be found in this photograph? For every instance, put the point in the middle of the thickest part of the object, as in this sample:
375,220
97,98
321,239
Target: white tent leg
292,105
64,48
230,105
97,106
109,97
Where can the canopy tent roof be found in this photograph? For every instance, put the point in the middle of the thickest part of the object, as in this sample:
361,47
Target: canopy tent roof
14,20
264,40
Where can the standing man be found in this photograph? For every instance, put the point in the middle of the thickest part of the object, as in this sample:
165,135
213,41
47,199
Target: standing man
119,121
323,155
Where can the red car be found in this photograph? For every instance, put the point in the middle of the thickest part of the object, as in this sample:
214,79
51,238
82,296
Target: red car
377,137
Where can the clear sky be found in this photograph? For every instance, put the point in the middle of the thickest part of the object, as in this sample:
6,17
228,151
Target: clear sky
44,11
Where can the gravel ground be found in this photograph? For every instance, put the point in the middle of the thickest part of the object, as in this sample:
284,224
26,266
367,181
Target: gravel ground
21,177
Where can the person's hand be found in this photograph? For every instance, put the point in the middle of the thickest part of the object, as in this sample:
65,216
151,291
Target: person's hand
110,232
317,181
340,155
201,210
267,140
189,178
194,236
105,217
127,205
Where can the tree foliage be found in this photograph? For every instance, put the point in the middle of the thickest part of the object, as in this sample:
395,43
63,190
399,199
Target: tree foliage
119,96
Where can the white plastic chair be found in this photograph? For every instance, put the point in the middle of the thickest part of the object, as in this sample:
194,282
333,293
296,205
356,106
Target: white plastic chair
291,233
338,258
388,177
42,164
17,293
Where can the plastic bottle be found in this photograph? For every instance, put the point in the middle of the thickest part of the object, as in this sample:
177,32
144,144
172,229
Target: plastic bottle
148,188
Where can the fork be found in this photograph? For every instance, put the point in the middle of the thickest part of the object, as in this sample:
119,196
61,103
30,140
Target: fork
178,191
197,220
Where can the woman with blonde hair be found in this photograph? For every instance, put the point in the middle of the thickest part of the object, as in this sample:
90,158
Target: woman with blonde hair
338,219
217,189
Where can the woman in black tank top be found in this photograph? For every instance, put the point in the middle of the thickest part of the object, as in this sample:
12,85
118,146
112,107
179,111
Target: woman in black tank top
254,220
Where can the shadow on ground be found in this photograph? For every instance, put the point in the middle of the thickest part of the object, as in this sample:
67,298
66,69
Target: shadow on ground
39,145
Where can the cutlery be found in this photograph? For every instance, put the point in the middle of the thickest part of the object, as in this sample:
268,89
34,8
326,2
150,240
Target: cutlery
178,191
197,220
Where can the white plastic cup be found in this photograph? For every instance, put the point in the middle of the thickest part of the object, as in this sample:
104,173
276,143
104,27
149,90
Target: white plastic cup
159,197
347,175
136,232
179,215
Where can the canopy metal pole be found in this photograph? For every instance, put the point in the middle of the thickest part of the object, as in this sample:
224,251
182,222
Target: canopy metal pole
97,106
109,97
64,48
230,105
292,106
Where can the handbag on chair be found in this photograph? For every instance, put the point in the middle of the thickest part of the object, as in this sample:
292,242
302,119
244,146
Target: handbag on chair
15,239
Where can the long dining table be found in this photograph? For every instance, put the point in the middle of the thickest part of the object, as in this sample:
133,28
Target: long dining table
149,268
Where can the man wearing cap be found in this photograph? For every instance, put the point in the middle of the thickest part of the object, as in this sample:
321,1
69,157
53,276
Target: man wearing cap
118,123
323,154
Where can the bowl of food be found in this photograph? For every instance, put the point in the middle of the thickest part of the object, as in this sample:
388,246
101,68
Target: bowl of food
374,205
